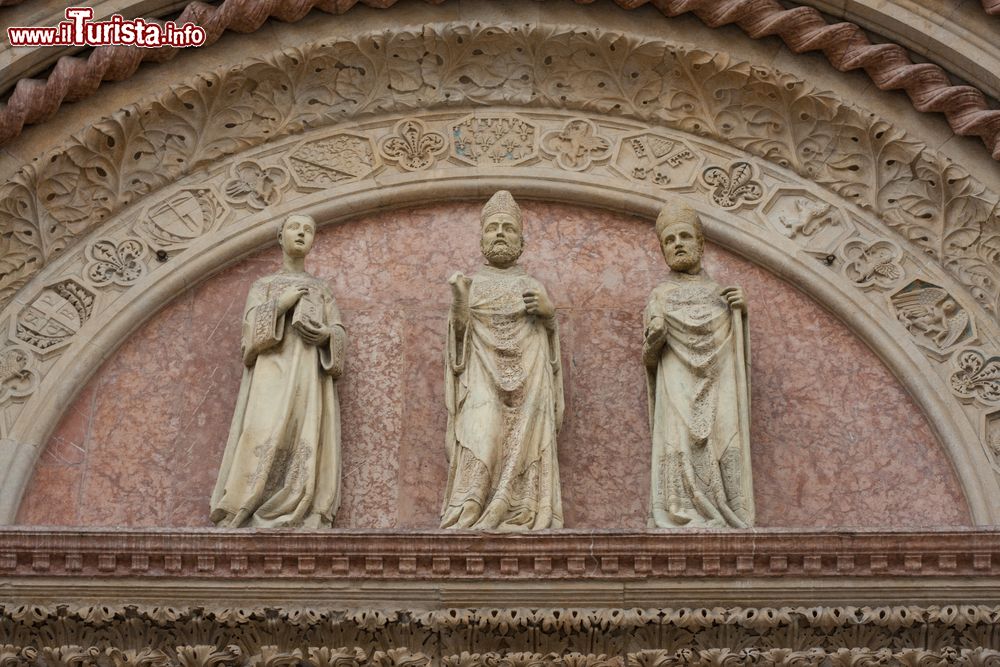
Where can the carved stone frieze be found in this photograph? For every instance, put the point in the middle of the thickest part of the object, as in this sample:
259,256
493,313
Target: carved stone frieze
53,316
733,187
118,263
331,160
447,556
577,145
936,320
876,264
936,205
412,146
255,186
181,217
164,636
658,159
494,140
976,376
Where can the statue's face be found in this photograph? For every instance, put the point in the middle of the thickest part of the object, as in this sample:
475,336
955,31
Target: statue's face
501,242
297,235
682,246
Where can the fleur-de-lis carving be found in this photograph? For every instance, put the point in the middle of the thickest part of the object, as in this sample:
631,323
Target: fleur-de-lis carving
734,187
119,264
977,376
412,146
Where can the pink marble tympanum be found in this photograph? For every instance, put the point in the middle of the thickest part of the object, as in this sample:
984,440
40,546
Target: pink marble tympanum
836,441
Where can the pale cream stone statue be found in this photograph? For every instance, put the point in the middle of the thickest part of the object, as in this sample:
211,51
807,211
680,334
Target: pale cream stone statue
503,389
282,461
697,359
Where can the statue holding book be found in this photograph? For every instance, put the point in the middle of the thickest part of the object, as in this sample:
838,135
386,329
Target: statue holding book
281,465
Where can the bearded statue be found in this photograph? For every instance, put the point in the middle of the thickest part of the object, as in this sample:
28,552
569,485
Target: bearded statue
503,388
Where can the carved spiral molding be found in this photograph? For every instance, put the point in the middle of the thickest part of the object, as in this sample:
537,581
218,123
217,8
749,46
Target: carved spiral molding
802,28
109,636
893,227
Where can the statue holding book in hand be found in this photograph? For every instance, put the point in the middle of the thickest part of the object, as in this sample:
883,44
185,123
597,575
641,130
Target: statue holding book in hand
281,466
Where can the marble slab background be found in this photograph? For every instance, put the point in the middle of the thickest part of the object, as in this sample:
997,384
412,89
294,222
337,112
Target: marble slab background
836,440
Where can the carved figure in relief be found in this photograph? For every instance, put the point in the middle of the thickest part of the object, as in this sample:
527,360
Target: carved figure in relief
281,466
697,358
503,389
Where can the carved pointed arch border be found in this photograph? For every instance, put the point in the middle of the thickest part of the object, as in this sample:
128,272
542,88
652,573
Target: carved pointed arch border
822,192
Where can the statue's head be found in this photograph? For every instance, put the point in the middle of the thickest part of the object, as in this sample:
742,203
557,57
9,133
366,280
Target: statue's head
682,242
502,234
297,234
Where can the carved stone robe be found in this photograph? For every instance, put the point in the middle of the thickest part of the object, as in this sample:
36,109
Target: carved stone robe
282,459
699,395
505,405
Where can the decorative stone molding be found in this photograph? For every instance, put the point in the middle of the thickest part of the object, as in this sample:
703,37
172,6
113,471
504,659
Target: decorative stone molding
803,29
459,555
936,205
325,636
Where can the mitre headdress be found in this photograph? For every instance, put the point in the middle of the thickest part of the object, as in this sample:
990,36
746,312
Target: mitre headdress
501,202
675,211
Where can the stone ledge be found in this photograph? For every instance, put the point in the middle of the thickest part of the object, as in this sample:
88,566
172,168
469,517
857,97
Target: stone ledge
605,555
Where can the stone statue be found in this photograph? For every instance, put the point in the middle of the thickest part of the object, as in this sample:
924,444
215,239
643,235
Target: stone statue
282,461
503,389
697,359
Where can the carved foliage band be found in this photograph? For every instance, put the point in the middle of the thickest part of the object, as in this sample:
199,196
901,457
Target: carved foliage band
107,636
936,205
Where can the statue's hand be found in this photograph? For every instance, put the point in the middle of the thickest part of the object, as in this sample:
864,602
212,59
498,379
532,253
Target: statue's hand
537,303
735,298
656,330
288,298
313,332
460,285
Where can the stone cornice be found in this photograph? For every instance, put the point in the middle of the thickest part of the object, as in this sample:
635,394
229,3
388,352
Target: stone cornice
803,29
447,555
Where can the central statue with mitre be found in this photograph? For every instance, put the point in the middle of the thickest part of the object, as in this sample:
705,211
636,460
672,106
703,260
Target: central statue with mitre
503,388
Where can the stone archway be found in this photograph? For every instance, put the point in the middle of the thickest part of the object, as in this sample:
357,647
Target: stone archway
819,191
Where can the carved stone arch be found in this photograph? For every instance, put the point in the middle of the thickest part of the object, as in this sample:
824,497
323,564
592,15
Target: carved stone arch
836,235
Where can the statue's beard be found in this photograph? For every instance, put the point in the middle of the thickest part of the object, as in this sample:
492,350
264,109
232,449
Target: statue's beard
501,253
686,262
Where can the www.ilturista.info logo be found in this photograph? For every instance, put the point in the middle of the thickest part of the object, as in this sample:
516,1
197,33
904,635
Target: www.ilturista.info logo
79,30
